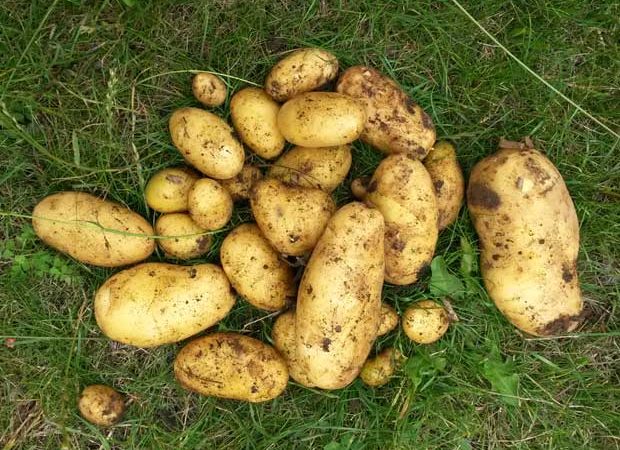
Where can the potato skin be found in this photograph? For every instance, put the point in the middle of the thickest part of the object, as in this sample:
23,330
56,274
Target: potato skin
529,240
378,371
339,298
180,224
101,405
402,190
283,335
319,167
206,142
389,319
239,186
167,190
209,89
305,69
425,322
255,269
292,218
76,235
210,205
232,366
395,123
153,304
321,119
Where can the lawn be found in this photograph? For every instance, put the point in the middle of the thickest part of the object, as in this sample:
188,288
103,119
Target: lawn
86,88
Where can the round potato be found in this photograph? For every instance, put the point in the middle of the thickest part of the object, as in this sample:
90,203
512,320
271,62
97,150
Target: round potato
167,190
206,142
92,230
323,168
378,371
209,89
389,319
101,405
283,335
425,322
239,187
153,304
232,366
321,119
210,205
189,241
304,70
359,187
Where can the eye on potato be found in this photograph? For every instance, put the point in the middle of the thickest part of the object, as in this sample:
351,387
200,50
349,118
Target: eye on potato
209,89
239,186
189,241
389,319
378,371
167,190
425,322
101,405
210,205
283,335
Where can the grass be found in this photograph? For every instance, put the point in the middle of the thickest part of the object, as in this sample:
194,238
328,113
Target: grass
85,93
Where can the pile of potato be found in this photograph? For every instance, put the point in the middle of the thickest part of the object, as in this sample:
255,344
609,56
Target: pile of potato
332,310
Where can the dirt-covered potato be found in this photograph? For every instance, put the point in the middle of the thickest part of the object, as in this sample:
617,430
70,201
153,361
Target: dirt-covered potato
189,241
339,298
232,366
389,319
209,89
323,167
395,123
239,186
167,190
292,218
305,69
359,187
156,303
378,371
210,205
101,405
92,230
529,240
206,142
255,269
425,322
254,115
448,181
283,335
321,119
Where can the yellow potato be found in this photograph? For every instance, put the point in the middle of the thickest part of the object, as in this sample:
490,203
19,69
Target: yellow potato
283,335
101,405
239,186
425,322
206,142
303,70
255,269
153,304
195,243
90,229
389,319
232,366
210,205
209,89
395,123
321,119
167,190
359,187
339,298
378,371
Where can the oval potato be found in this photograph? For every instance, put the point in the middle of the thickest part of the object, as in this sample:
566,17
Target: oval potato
378,371
389,319
101,405
239,187
425,322
167,190
283,335
189,241
209,89
210,205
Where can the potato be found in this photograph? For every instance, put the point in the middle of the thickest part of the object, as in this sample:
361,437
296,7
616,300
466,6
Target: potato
378,371
101,405
233,366
209,89
190,240
254,115
255,269
210,205
167,190
425,322
339,298
321,119
91,229
529,240
402,190
359,187
156,303
323,167
395,123
240,185
304,70
448,181
291,218
206,142
389,319
283,335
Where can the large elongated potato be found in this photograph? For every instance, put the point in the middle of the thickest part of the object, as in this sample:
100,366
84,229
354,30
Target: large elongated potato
233,366
206,142
156,303
167,190
303,70
395,123
529,240
339,298
283,335
255,269
91,229
181,237
321,119
239,186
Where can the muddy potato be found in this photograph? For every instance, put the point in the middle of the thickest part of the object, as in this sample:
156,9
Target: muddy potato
232,366
239,186
389,319
395,123
206,142
339,298
156,303
283,335
101,405
378,371
425,322
189,241
303,70
90,229
167,190
210,205
209,89
321,119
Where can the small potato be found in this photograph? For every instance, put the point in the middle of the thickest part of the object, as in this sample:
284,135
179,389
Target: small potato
167,190
378,371
210,205
303,70
239,186
101,405
321,119
323,167
232,366
359,187
283,335
254,115
209,89
389,319
194,243
425,322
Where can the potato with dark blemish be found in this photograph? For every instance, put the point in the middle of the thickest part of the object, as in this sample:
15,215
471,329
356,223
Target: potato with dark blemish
359,187
181,237
378,371
101,405
240,186
389,319
167,190
425,322
283,335
209,89
529,240
209,204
